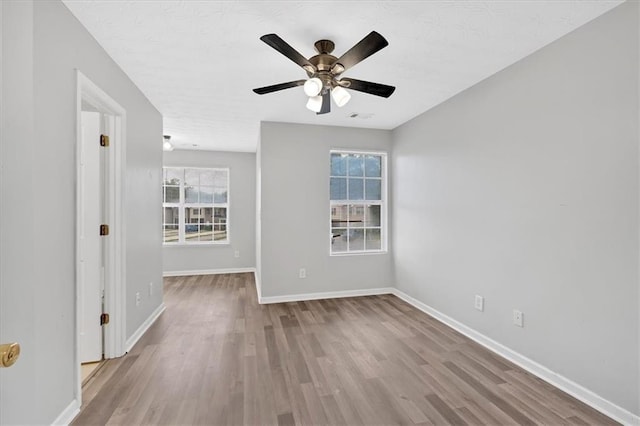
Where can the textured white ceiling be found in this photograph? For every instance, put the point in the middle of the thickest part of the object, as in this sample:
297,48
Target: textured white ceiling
197,61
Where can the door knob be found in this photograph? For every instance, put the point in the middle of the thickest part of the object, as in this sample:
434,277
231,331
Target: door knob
9,353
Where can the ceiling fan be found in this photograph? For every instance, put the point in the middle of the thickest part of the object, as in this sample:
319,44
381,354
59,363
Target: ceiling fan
324,69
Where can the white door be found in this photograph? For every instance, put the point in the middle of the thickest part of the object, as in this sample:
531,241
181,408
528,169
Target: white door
91,266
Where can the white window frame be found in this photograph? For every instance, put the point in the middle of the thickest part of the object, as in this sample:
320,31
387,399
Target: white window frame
384,228
182,206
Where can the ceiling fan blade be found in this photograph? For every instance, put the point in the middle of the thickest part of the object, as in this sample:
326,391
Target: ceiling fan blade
283,47
368,87
362,50
276,87
326,103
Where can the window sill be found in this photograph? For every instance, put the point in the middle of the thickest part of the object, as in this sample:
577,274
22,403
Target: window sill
359,253
226,243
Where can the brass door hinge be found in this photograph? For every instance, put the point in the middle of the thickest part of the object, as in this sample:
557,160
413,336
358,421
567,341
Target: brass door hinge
104,230
104,140
104,319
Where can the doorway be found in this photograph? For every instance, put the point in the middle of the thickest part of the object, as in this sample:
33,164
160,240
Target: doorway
91,253
100,249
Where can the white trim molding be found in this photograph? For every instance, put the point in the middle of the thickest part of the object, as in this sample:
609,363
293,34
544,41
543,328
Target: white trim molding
207,272
579,392
325,295
131,341
68,414
256,279
115,249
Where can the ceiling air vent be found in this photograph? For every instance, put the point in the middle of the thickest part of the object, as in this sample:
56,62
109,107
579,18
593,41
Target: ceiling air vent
361,115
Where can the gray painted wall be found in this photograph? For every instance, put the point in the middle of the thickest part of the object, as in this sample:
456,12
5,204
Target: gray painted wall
242,198
38,262
17,274
294,173
524,189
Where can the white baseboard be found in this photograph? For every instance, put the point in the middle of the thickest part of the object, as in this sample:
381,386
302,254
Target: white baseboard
579,392
144,327
207,272
325,295
68,414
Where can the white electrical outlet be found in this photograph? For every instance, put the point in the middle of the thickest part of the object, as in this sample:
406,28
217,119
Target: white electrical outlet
151,289
303,273
479,304
138,299
518,318
236,254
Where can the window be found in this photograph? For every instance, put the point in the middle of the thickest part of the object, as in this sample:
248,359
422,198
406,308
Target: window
195,205
358,202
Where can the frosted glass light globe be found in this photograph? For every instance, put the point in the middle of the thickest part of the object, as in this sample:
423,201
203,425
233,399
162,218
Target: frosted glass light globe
340,96
315,103
313,86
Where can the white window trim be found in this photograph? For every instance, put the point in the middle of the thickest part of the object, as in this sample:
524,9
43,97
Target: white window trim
182,205
384,203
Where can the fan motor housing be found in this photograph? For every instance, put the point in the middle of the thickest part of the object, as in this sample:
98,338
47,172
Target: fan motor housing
323,61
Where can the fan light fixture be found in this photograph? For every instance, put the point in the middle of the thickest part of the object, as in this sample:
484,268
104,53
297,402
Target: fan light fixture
340,96
313,86
166,145
315,103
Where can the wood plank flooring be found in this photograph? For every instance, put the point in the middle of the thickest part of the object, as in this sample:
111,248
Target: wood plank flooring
216,357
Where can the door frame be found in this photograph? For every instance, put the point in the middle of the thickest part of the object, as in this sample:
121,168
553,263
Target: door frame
115,254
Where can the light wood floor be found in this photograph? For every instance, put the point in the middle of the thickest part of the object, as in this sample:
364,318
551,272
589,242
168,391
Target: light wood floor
217,357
